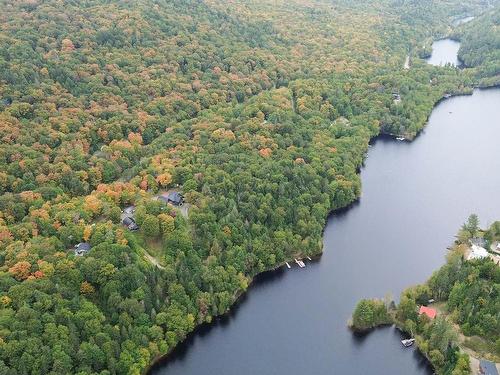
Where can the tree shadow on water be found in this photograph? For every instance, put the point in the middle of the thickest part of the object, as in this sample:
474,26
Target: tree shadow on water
181,350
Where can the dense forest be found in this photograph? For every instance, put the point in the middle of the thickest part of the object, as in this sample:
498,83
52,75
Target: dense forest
466,295
259,113
480,46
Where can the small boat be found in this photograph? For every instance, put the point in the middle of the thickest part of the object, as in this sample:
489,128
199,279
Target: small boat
400,138
408,342
309,258
288,265
447,96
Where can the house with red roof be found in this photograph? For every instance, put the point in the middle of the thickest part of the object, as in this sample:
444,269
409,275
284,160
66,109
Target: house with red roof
430,312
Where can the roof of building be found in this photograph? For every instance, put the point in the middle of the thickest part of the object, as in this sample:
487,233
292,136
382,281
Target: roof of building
429,311
83,246
487,368
477,252
128,220
479,241
175,197
129,209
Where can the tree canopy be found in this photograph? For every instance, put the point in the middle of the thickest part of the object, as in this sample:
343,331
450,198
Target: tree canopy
260,113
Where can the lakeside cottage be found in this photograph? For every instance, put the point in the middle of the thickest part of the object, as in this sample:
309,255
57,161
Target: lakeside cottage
487,368
429,311
478,241
477,252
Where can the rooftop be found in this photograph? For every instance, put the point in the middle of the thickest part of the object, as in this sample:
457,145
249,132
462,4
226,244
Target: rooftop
477,252
83,246
128,220
429,311
175,197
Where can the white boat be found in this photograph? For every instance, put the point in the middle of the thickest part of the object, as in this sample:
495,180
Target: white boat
288,265
408,342
400,138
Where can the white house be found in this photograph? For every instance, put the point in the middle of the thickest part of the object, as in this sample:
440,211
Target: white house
477,252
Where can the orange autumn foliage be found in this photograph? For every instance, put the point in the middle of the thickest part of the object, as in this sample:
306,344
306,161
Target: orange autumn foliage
164,179
135,138
87,232
38,274
93,204
20,270
40,213
265,152
67,45
29,196
5,234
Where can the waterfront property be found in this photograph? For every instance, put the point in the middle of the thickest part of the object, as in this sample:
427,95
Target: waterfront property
351,267
429,311
477,252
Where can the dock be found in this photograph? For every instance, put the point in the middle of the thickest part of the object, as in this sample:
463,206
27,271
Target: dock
300,263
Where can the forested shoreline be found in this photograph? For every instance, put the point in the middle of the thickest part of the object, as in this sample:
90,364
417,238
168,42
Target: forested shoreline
464,293
262,122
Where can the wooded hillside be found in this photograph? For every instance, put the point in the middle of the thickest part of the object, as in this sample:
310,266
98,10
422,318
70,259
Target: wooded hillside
259,112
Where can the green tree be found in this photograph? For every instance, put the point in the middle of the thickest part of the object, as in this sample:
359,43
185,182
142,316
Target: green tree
151,226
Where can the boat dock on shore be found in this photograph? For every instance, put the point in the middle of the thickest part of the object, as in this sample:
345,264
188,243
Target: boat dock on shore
300,263
408,342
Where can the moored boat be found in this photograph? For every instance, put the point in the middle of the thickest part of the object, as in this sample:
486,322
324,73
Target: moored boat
407,342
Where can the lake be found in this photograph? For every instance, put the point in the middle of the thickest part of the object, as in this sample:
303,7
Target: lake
444,51
415,197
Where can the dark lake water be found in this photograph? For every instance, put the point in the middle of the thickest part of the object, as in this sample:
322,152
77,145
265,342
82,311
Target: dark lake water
415,197
444,51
